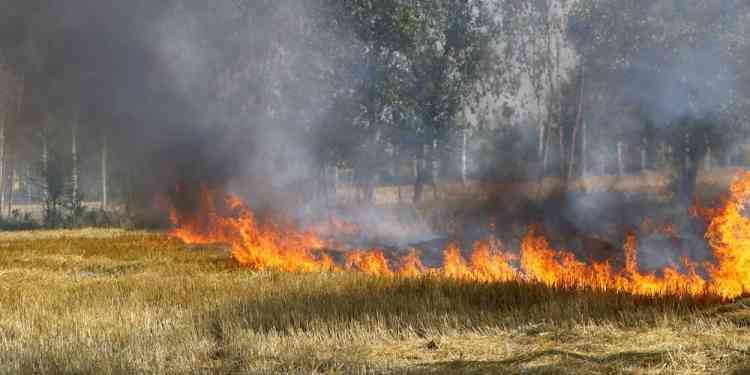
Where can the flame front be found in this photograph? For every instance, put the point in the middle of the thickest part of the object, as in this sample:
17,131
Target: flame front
729,237
269,246
258,246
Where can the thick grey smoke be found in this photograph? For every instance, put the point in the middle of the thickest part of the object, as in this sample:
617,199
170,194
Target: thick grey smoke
187,92
663,79
698,84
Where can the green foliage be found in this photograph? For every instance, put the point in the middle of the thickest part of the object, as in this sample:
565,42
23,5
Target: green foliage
420,62
70,217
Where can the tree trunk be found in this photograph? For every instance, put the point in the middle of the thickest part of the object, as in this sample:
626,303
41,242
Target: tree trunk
464,166
11,183
545,155
7,187
2,162
543,171
542,134
4,142
45,169
397,169
74,155
105,172
435,172
561,138
415,166
689,171
579,116
644,155
620,158
372,175
584,150
322,184
29,179
3,125
550,99
572,157
395,162
419,175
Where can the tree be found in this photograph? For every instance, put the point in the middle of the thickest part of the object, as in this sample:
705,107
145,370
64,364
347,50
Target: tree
436,50
664,65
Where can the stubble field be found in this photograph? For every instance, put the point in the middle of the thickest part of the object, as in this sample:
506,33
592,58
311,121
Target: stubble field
116,302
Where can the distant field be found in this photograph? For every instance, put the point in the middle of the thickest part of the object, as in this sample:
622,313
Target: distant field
115,302
648,182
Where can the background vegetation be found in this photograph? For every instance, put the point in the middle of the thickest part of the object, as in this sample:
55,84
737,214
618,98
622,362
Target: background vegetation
118,103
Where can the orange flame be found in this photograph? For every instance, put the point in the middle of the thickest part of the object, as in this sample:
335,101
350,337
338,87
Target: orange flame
371,262
254,245
411,265
489,264
729,236
268,246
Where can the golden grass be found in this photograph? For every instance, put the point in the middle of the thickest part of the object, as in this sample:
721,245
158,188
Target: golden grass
112,302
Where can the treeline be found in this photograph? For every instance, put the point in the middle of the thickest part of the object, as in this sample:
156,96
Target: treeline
119,102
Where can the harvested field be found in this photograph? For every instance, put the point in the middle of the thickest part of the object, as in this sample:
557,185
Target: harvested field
136,302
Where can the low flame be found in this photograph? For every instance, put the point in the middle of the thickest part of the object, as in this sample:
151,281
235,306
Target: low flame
270,246
259,246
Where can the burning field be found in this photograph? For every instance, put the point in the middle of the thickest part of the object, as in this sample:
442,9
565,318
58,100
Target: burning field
224,219
288,300
375,187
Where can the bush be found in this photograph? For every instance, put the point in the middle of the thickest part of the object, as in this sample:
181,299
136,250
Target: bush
75,217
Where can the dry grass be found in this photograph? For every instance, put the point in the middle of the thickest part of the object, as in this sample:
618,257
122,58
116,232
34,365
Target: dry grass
115,302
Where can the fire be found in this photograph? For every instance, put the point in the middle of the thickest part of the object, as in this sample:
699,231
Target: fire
672,280
539,261
268,246
258,246
371,262
411,265
491,264
729,237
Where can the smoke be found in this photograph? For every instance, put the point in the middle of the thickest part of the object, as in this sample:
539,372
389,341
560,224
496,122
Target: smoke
663,78
697,82
186,92
95,64
244,96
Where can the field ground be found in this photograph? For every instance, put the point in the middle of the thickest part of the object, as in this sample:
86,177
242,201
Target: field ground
114,302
